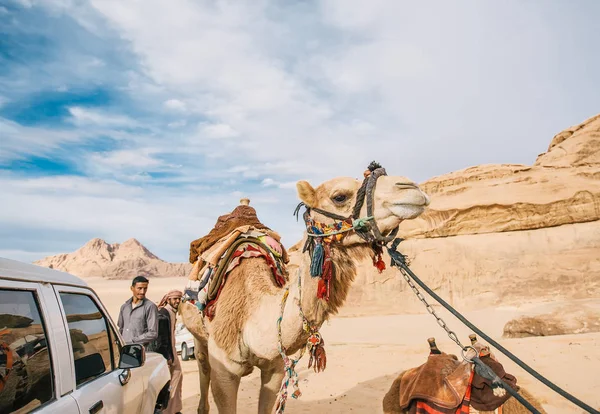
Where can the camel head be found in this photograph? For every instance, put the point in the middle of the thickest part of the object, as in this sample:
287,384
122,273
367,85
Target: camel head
394,199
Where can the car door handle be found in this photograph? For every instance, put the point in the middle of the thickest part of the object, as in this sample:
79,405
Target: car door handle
96,407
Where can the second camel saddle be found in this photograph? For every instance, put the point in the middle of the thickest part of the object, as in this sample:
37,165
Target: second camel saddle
446,385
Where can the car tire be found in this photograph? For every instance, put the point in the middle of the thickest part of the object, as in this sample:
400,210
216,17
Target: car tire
185,353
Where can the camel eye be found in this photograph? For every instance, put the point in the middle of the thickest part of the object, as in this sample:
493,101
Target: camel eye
339,198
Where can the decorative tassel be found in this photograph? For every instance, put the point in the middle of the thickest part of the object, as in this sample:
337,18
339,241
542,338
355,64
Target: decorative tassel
318,357
316,264
322,289
379,263
327,274
327,264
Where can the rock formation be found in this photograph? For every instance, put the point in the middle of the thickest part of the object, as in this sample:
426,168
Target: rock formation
577,318
114,261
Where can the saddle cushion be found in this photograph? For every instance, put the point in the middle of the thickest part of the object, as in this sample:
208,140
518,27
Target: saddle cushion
241,216
442,380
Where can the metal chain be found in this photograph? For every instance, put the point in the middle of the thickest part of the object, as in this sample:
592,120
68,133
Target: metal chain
430,309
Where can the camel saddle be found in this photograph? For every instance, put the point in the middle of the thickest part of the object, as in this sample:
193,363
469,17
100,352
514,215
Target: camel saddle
236,236
442,380
243,216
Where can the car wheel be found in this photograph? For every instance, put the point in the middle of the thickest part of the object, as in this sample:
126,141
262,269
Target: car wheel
185,354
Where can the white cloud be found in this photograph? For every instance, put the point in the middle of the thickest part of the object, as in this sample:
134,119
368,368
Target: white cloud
67,186
217,131
25,3
83,116
175,104
128,165
290,185
177,124
94,62
268,182
19,141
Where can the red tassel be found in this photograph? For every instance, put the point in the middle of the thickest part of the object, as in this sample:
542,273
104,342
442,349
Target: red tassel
326,275
321,289
379,264
327,269
318,357
321,359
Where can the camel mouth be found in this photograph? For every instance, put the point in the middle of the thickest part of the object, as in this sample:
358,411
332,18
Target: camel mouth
421,202
406,211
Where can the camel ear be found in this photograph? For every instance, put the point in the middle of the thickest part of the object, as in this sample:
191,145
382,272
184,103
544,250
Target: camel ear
306,193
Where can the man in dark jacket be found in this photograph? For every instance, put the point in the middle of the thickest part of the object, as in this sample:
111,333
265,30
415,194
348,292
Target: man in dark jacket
163,344
170,304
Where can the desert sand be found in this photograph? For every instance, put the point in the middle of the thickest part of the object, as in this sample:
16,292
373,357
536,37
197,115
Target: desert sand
367,350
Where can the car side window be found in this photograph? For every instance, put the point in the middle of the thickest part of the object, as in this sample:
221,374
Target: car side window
25,362
89,337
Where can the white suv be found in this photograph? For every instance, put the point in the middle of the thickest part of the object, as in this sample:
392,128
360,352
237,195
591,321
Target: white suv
184,341
60,352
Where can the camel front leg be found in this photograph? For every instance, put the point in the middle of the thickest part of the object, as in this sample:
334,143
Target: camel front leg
270,379
201,351
224,386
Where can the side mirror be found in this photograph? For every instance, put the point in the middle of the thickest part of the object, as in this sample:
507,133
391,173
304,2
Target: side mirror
132,356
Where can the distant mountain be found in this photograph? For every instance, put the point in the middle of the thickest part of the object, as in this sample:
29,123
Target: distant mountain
97,258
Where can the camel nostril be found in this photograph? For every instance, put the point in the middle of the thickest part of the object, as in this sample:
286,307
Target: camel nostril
406,186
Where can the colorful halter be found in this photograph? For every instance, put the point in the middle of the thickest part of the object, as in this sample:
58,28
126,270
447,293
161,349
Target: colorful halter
322,236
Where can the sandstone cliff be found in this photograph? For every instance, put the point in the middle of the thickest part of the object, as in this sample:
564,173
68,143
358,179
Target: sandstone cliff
562,187
504,234
114,261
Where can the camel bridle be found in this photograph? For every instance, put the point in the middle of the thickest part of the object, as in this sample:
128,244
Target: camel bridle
366,228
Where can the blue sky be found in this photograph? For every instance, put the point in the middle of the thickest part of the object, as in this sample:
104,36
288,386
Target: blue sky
123,118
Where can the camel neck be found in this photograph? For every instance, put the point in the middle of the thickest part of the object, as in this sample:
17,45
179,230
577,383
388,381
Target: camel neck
318,310
315,310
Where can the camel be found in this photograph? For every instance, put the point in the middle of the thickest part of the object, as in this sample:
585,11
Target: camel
244,332
391,401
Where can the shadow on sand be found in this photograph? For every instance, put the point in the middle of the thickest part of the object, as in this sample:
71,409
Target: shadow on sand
366,397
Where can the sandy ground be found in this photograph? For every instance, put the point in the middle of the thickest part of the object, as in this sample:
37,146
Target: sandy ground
364,354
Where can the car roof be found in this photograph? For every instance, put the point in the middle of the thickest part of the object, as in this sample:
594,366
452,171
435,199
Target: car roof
15,270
